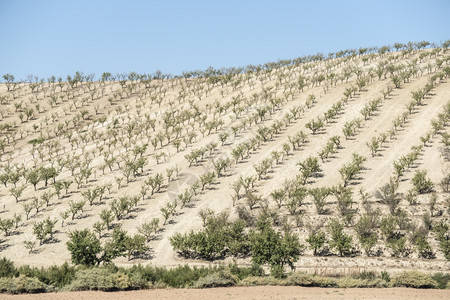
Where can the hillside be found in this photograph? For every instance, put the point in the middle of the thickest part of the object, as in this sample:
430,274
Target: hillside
145,147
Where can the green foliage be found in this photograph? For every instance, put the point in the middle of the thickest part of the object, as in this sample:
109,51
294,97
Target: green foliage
21,284
308,168
302,279
273,248
56,276
340,241
244,272
181,276
7,268
388,195
218,239
421,183
316,240
101,279
219,279
442,280
319,195
365,230
414,279
84,247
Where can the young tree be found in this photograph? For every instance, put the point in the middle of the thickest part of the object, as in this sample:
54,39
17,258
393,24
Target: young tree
340,241
135,245
149,229
269,246
319,195
388,195
84,247
316,240
16,192
308,167
365,230
6,225
421,182
107,217
33,177
279,196
29,244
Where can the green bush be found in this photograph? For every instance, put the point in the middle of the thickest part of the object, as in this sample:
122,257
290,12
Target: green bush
181,276
56,276
101,279
413,279
219,279
351,282
442,280
7,268
244,272
21,284
303,279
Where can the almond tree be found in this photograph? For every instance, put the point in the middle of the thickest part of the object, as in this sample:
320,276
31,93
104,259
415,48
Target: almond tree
365,230
319,195
9,80
340,241
388,195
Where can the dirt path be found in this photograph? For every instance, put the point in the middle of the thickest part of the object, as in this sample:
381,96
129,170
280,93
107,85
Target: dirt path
259,292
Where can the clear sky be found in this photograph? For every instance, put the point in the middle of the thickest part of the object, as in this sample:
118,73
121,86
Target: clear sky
59,37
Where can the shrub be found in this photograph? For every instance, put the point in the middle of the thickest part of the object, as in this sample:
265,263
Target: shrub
101,279
181,276
350,282
21,284
244,272
421,182
219,279
7,268
56,276
302,279
442,280
413,279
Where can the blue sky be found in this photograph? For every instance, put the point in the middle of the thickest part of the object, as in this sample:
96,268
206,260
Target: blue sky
57,37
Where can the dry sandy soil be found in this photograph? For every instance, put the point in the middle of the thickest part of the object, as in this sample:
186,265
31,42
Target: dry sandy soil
218,197
260,292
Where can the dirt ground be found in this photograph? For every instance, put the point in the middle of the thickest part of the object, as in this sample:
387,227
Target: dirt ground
259,292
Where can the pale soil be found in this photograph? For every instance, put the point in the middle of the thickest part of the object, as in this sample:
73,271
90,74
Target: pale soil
259,292
377,170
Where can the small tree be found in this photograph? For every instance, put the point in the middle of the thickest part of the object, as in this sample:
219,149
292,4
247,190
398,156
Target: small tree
16,192
29,245
149,229
316,240
319,195
135,245
99,226
84,247
6,225
421,183
365,230
269,246
279,196
27,207
340,241
388,195
308,167
107,217
33,177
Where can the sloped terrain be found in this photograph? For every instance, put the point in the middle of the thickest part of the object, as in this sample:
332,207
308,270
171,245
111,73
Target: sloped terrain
145,147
